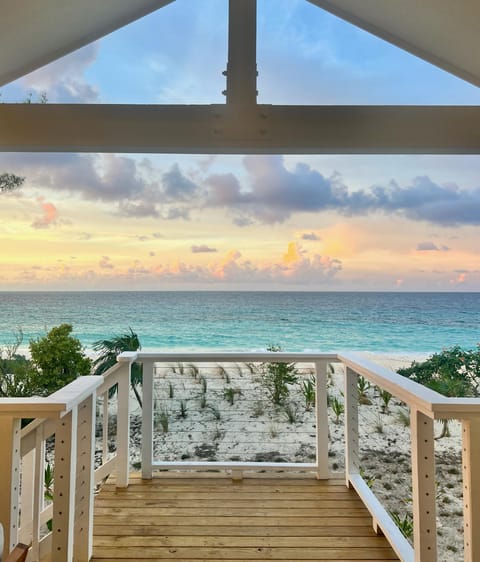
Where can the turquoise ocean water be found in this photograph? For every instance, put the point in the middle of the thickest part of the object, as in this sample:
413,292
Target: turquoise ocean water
407,323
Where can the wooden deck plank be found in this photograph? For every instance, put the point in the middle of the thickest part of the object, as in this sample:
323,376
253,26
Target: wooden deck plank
214,519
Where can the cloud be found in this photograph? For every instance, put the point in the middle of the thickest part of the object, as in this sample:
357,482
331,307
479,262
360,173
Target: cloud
105,263
63,80
273,193
431,247
176,186
310,236
49,216
203,249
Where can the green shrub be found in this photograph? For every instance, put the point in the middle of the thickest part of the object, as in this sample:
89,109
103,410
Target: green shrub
276,377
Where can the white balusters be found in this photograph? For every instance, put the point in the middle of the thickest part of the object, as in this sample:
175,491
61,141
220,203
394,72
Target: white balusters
471,488
147,420
423,487
10,480
321,418
123,425
352,463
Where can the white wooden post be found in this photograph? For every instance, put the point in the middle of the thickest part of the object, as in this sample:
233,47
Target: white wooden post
147,420
85,481
471,488
64,494
423,487
26,499
9,481
123,426
38,489
105,427
321,419
352,462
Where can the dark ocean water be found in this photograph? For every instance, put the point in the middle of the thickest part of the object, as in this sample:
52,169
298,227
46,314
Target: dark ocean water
241,321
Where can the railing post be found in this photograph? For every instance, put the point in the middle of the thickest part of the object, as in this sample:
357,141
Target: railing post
321,419
38,489
27,497
10,481
85,481
147,420
64,493
423,487
352,462
123,426
471,488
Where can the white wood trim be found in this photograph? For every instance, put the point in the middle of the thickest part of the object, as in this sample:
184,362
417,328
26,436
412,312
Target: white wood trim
423,487
27,496
321,414
352,462
123,426
83,539
105,470
10,481
471,488
232,465
147,419
65,480
224,129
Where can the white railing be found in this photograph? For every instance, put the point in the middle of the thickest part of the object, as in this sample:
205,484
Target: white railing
70,415
62,431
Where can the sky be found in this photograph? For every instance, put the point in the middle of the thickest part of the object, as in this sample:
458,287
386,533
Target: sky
153,222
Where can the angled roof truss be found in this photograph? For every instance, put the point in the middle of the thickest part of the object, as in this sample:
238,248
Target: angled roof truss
240,125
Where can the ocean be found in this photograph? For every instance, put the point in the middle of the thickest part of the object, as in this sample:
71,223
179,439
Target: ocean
400,323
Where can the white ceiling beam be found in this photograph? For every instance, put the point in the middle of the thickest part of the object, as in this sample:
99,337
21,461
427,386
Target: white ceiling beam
241,70
222,129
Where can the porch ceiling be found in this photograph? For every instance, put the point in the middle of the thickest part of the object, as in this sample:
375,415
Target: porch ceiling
442,32
34,33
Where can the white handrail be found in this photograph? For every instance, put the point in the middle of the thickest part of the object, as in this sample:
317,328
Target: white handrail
69,413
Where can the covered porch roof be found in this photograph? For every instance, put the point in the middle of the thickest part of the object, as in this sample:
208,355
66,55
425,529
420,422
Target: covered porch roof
438,31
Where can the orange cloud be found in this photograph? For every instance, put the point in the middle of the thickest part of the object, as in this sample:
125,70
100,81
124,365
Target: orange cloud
50,214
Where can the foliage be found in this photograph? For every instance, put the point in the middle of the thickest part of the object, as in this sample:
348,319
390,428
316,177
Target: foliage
230,393
15,370
163,420
385,397
10,182
362,386
48,490
369,480
308,391
109,349
183,409
57,359
276,377
404,524
291,412
453,372
338,408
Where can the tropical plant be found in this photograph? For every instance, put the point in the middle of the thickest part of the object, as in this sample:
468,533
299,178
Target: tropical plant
48,477
385,397
230,393
57,359
362,386
291,412
404,524
453,372
163,418
276,378
338,408
183,409
308,391
109,349
369,480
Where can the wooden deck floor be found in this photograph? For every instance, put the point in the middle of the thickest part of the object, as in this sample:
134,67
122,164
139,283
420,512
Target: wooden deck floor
214,519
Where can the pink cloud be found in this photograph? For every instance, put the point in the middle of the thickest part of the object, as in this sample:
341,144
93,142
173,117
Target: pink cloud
50,214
